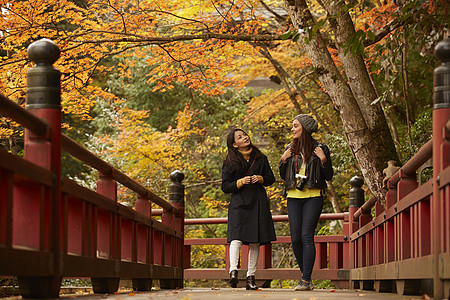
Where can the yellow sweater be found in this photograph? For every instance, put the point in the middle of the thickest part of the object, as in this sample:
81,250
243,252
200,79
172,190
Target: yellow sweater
305,193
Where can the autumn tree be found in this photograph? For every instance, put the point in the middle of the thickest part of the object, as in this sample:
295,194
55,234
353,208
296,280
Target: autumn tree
199,44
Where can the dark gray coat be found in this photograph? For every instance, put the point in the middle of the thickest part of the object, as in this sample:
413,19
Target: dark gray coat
249,217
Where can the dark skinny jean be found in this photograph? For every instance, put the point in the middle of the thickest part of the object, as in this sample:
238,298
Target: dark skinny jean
303,218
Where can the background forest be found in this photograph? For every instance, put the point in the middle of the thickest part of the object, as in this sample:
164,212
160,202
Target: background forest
153,86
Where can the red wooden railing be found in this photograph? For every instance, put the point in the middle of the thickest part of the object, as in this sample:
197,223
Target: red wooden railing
51,227
331,256
405,247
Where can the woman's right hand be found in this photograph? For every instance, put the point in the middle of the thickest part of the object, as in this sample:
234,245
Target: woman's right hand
246,180
288,153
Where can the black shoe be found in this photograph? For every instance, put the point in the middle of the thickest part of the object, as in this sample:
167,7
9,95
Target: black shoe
251,285
233,278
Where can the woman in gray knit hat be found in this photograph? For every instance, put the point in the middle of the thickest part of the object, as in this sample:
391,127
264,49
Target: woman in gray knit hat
305,167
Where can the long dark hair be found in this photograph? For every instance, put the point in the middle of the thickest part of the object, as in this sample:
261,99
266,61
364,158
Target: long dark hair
234,158
303,145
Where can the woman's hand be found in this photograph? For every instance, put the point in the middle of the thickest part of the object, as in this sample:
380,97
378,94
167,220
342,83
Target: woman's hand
250,179
246,180
255,178
288,153
320,154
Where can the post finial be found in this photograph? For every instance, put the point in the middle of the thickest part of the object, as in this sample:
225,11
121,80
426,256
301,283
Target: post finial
356,181
43,81
441,84
176,188
176,176
356,197
43,51
442,50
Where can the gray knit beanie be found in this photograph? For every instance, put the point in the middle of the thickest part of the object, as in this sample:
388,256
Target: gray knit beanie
308,122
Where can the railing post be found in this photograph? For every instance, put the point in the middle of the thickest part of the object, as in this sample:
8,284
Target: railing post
176,198
144,235
44,101
143,205
346,244
441,113
391,195
406,184
356,199
109,235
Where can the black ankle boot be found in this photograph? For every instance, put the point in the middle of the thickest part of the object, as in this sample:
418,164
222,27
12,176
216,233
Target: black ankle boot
251,285
233,278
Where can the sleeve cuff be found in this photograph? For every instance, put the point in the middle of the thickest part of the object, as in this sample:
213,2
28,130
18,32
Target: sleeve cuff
260,179
239,183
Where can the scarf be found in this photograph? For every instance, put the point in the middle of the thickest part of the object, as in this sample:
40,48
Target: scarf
246,154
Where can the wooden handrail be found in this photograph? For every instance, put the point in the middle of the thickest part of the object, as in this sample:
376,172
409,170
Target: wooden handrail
36,125
365,208
409,168
81,153
275,218
14,111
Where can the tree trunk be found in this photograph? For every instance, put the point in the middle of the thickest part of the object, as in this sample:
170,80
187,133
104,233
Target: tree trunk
388,116
283,75
365,128
360,82
287,80
334,200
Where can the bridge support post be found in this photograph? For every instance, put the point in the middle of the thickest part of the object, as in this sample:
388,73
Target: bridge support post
408,286
107,187
441,113
356,199
44,101
144,206
176,198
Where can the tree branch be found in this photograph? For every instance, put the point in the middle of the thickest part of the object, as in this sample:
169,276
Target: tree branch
186,37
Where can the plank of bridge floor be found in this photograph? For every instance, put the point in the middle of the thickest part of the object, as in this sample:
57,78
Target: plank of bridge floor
241,293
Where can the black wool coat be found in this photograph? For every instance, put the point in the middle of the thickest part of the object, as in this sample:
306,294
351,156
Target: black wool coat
249,217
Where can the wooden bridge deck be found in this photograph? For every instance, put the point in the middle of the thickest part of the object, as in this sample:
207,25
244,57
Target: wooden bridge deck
241,293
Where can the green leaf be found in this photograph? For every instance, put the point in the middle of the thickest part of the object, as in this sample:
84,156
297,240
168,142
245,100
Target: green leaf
286,35
317,26
354,48
310,34
377,100
361,49
307,40
346,50
359,33
345,8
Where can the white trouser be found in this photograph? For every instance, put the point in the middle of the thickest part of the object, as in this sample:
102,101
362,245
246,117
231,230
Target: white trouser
253,254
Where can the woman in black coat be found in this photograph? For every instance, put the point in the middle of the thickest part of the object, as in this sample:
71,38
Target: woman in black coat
245,173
